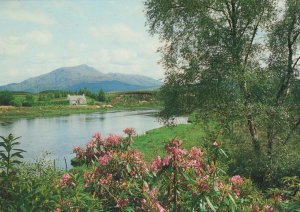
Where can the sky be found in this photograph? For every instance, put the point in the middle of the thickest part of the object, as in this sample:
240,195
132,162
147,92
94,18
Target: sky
37,37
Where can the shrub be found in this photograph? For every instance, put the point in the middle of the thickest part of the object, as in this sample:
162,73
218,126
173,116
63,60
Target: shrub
182,180
29,100
6,98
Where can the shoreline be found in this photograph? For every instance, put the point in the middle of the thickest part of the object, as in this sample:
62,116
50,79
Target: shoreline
7,114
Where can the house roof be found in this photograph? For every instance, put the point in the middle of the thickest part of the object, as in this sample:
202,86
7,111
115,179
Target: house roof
74,98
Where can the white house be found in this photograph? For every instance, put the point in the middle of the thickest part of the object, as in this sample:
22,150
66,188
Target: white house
77,100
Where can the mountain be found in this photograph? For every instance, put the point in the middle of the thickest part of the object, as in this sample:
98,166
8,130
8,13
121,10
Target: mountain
74,78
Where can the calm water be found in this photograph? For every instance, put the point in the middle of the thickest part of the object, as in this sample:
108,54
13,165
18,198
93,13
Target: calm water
58,135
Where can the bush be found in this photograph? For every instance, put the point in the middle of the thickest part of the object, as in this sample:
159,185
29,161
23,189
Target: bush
182,180
29,100
101,97
265,171
114,177
6,98
17,102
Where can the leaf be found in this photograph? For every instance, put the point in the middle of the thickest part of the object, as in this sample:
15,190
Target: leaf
15,162
19,150
223,153
2,155
210,204
232,200
17,154
128,167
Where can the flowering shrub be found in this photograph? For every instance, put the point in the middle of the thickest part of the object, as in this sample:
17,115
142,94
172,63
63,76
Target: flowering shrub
66,181
118,179
188,182
181,180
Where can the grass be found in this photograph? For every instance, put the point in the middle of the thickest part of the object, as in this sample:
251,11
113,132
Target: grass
61,110
154,141
49,104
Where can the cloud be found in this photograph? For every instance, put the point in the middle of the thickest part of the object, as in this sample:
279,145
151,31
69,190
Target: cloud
123,56
39,37
22,15
118,32
12,45
74,46
16,45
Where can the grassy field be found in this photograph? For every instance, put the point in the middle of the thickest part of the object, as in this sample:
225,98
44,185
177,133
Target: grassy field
53,103
154,141
50,111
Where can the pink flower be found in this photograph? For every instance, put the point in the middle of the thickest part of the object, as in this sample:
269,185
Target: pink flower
106,180
129,131
165,161
88,178
91,144
154,192
195,152
237,180
156,164
78,151
236,192
122,202
104,160
219,185
97,136
202,183
143,201
159,207
268,208
173,148
66,180
113,140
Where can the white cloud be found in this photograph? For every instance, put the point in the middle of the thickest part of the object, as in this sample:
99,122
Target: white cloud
22,15
118,32
17,44
12,45
74,46
39,37
123,56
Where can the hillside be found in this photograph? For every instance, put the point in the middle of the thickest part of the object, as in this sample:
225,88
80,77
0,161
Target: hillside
74,78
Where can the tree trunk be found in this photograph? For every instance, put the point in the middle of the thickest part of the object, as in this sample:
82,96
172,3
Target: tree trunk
254,135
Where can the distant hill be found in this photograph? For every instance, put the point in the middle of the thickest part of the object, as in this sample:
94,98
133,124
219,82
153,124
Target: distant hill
74,78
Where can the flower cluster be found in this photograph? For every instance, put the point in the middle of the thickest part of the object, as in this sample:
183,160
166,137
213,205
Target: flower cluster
97,147
237,182
66,181
129,131
123,180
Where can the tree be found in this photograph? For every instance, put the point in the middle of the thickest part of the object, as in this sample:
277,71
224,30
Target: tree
234,61
101,96
29,100
6,98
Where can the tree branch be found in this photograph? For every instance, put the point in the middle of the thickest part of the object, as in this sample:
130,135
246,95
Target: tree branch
292,131
295,36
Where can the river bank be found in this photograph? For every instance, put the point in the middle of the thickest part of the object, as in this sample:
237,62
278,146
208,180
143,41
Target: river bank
10,113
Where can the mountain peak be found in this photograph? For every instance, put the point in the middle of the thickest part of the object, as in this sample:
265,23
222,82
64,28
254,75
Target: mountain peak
77,77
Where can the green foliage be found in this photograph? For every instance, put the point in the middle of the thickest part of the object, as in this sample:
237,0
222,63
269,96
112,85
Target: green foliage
29,100
101,97
17,102
220,67
6,98
117,178
87,92
9,154
290,194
